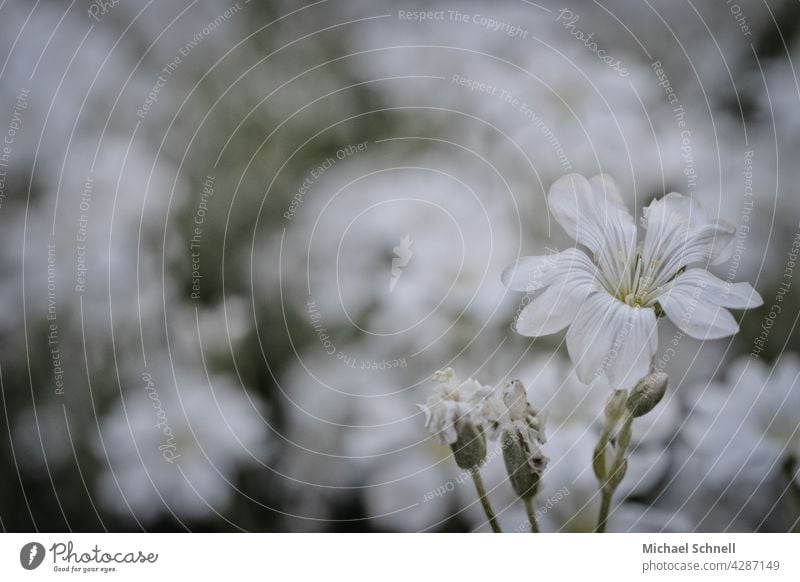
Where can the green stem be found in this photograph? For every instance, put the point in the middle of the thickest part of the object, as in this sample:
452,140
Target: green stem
530,508
605,506
487,509
623,441
611,481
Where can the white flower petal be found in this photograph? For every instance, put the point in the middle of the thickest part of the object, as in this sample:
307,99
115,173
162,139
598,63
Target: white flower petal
452,401
679,233
593,213
613,339
589,337
440,418
553,310
701,283
530,273
694,314
631,354
533,273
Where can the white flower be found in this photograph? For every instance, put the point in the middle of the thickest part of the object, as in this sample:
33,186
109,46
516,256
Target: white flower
177,452
451,401
740,448
610,303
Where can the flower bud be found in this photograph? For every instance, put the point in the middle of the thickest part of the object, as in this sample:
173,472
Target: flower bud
524,466
469,449
647,394
515,400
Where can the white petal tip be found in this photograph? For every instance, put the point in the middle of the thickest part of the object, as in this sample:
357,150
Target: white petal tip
756,300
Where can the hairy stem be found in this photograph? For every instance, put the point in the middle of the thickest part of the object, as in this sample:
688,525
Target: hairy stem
610,481
605,506
530,508
487,509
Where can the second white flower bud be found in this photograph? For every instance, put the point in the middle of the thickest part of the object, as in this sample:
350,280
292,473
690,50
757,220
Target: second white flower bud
647,393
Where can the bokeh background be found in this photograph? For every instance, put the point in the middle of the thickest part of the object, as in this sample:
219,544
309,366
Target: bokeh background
201,202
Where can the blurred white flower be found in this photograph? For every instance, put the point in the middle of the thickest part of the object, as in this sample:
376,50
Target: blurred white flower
740,449
177,452
509,98
610,304
339,254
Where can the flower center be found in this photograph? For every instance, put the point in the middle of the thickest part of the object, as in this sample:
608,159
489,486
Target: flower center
636,287
633,300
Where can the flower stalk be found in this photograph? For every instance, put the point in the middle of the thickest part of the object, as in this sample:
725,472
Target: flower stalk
469,451
487,508
530,509
610,455
610,476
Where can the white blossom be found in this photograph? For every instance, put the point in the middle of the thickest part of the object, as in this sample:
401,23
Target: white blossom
177,451
611,300
739,453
